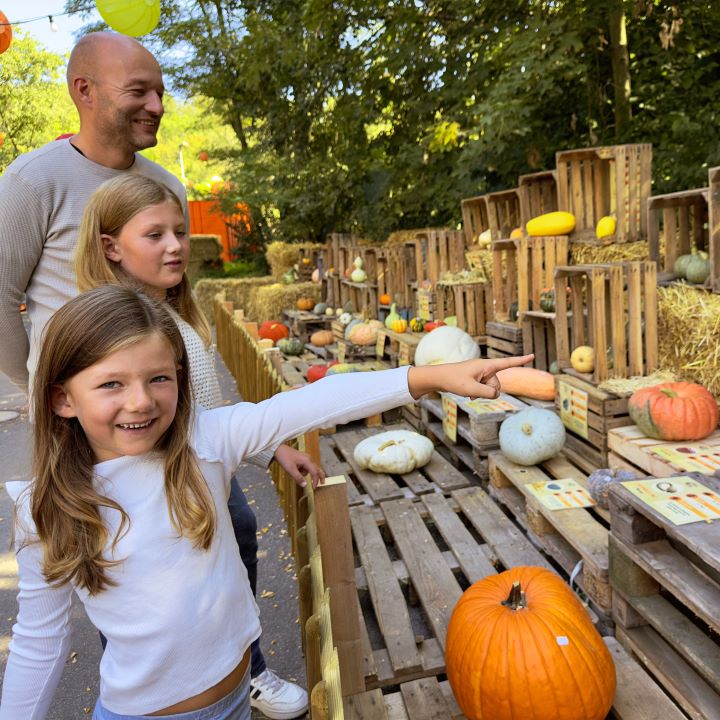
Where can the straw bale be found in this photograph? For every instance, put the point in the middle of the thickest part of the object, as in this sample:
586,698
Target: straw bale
268,301
585,254
689,334
464,277
624,387
480,259
237,290
281,256
400,236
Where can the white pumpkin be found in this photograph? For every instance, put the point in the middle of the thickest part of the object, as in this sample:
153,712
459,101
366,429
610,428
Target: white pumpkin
394,451
446,344
532,436
345,318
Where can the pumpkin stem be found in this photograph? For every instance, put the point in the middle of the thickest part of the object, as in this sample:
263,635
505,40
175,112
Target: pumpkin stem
387,444
527,428
667,391
516,598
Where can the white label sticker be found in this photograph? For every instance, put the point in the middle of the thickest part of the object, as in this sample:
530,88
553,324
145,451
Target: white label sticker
562,640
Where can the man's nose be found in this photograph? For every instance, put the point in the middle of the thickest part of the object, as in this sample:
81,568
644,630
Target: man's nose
154,104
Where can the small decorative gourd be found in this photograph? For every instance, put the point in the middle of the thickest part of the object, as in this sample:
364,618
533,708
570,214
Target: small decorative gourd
531,436
417,325
392,316
606,227
446,344
521,645
358,275
558,222
305,303
320,308
345,318
385,299
395,451
697,269
399,326
582,359
291,346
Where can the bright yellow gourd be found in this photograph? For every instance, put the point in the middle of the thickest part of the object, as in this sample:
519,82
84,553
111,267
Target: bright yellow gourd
582,359
605,227
553,223
399,326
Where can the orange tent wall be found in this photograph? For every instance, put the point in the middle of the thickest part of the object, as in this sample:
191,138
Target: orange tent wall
206,218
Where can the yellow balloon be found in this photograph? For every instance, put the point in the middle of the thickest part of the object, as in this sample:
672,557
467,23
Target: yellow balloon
130,17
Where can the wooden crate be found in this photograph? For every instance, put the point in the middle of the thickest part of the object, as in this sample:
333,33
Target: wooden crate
666,598
366,487
613,306
474,218
630,448
392,276
522,269
503,212
683,217
427,304
413,561
589,414
303,323
600,181
714,226
470,303
504,339
538,333
434,253
568,536
363,298
339,251
398,348
538,195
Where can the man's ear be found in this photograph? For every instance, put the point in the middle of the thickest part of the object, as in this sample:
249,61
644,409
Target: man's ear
81,90
61,403
110,248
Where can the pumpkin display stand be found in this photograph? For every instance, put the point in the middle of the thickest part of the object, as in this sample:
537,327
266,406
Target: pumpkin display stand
398,348
666,598
304,323
588,414
567,536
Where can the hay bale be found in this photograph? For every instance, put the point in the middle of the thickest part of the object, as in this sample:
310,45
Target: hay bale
689,334
237,291
205,251
281,256
268,301
585,254
400,236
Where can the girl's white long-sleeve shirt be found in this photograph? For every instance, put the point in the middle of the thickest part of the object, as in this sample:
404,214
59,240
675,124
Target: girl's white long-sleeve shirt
179,619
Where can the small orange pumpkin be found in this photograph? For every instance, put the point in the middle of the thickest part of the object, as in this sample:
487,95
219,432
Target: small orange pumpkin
321,338
674,411
305,303
385,299
521,645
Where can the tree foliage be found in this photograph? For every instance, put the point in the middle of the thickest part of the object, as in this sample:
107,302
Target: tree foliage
376,115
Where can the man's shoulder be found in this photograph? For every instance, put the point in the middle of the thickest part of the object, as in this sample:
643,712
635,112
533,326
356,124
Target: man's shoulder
45,156
159,173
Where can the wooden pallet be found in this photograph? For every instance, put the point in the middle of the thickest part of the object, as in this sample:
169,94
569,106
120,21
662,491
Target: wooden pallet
397,348
666,598
368,487
614,306
588,414
303,323
413,561
504,339
568,536
630,448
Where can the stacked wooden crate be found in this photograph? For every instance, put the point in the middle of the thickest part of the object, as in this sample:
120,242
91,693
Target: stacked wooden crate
714,223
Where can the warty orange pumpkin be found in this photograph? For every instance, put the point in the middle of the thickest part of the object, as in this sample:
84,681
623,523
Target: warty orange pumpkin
520,646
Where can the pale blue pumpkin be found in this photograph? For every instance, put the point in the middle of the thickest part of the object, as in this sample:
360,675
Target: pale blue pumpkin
532,436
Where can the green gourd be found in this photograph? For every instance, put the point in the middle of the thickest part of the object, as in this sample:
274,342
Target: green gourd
392,317
697,269
291,346
680,265
320,308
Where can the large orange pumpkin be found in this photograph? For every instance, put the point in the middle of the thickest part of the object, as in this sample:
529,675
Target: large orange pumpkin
520,646
271,330
674,411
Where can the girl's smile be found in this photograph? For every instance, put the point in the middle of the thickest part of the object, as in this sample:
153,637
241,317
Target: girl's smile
126,401
152,247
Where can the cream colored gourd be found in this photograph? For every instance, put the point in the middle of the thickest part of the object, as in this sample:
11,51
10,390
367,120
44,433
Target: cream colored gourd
358,275
446,344
363,334
395,451
532,436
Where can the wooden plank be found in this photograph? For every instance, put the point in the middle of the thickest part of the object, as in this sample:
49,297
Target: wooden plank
387,597
368,705
433,581
424,700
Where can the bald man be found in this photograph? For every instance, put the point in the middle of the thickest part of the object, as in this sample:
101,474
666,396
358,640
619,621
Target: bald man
117,88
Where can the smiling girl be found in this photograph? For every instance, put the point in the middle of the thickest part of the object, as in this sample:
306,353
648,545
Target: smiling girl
128,509
133,232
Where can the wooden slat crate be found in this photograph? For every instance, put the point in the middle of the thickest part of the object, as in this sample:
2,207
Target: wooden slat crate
504,339
366,487
413,561
435,252
538,195
538,332
392,275
308,260
503,209
614,180
399,348
613,306
363,297
666,598
427,305
522,269
589,414
474,218
340,248
303,323
471,303
714,226
683,217
630,448
333,289
568,536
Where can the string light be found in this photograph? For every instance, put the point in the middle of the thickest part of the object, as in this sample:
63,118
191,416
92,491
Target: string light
40,17
53,24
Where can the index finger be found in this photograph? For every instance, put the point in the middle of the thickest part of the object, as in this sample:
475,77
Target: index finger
497,364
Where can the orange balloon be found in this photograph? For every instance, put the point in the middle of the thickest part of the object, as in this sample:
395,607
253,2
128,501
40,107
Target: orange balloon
5,33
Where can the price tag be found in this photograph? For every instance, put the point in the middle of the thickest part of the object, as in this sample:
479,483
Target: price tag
449,418
424,306
574,408
404,354
380,344
342,349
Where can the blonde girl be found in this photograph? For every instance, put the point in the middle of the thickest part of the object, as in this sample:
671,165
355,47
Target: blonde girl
128,509
133,232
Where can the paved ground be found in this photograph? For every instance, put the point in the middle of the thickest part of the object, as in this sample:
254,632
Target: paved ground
277,586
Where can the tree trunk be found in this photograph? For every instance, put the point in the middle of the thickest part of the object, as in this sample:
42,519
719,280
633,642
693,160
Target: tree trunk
621,68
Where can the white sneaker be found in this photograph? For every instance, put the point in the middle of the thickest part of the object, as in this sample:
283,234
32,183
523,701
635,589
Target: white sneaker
276,698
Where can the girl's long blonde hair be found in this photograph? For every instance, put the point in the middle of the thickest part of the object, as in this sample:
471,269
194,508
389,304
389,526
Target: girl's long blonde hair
65,504
108,210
